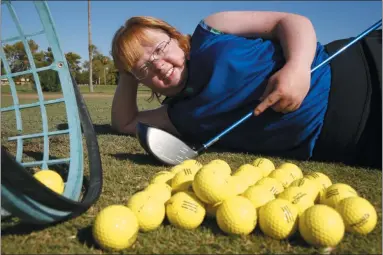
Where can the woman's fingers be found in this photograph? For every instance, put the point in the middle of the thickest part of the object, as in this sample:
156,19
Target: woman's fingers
269,101
279,104
269,88
282,105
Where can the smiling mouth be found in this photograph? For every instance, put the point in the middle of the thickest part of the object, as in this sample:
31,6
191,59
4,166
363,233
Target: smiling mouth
169,72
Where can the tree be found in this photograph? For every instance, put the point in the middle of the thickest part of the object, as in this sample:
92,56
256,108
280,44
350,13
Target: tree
74,63
82,77
102,70
96,54
90,49
101,65
17,56
49,80
98,69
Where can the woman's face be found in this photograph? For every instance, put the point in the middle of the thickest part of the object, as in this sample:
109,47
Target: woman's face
162,65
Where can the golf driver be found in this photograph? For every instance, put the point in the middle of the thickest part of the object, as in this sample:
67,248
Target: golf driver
170,150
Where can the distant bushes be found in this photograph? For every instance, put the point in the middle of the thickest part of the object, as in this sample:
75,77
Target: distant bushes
49,81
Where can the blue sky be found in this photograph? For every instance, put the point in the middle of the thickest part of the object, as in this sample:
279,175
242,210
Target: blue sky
332,20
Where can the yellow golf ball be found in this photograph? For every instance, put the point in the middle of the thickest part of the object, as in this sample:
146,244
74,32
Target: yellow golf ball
222,165
177,168
51,179
295,171
150,212
322,180
182,181
278,219
237,185
283,176
273,184
259,195
162,177
250,174
184,210
115,228
192,163
236,216
308,185
336,192
265,164
359,215
298,197
210,185
160,191
321,226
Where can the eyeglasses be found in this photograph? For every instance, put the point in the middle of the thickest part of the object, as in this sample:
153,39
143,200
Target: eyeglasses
157,54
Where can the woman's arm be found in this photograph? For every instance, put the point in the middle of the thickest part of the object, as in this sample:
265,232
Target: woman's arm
125,114
124,105
294,32
287,88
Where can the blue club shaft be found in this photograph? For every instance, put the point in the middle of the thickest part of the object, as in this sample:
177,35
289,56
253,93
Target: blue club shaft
247,116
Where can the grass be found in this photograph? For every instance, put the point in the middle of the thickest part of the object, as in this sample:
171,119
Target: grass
84,89
127,169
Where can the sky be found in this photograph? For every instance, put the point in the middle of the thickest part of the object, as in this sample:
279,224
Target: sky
331,19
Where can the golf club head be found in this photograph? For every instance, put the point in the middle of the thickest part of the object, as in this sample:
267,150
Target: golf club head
164,146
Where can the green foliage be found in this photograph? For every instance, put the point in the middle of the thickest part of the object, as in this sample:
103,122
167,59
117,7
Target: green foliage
74,62
104,70
82,77
49,81
17,56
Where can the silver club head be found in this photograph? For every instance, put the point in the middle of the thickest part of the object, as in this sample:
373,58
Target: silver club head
164,146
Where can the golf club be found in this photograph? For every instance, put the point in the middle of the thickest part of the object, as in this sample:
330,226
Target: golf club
171,150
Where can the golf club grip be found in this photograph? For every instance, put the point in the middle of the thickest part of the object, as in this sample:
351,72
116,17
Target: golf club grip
247,116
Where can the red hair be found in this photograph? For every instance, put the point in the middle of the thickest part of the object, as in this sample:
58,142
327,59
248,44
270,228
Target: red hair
126,44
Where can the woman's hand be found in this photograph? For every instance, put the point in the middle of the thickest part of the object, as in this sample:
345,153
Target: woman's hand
286,89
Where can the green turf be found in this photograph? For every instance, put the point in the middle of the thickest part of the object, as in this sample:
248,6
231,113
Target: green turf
27,88
128,169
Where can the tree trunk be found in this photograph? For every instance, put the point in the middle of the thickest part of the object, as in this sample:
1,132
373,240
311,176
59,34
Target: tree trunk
90,49
104,77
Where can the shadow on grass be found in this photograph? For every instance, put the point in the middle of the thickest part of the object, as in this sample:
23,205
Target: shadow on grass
297,241
85,236
147,159
106,129
212,225
12,228
100,129
141,159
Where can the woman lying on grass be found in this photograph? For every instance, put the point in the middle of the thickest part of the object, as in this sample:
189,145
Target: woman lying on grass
236,62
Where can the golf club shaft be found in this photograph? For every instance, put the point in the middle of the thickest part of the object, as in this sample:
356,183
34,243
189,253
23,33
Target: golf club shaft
247,116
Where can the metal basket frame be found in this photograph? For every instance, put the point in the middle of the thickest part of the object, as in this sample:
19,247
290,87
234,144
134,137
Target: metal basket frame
13,201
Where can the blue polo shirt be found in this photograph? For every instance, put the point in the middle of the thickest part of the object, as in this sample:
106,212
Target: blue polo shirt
227,76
